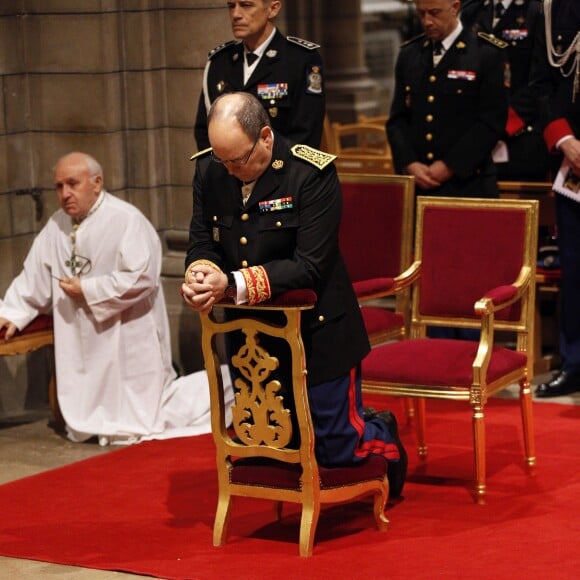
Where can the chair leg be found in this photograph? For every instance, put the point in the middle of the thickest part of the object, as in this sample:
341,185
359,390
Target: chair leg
379,510
420,427
479,450
528,423
222,518
308,522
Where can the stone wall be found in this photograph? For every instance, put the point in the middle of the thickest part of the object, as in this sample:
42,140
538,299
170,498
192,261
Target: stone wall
118,79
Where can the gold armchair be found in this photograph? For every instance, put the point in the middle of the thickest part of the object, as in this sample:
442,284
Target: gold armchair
376,239
476,263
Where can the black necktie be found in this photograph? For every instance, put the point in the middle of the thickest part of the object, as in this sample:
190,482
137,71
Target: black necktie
499,10
251,58
438,48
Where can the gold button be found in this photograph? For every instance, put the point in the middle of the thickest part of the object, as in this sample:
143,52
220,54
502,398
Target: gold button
321,318
244,263
459,91
278,224
430,99
215,218
407,88
432,78
243,240
429,137
429,118
245,217
430,156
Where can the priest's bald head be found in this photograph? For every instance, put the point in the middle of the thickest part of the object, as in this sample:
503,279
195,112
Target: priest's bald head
78,179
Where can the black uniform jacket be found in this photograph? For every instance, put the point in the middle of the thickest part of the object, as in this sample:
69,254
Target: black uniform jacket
553,90
455,112
518,28
296,245
287,80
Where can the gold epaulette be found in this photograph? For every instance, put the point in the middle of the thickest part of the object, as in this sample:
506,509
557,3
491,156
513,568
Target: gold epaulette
200,153
303,43
220,47
315,157
414,39
493,39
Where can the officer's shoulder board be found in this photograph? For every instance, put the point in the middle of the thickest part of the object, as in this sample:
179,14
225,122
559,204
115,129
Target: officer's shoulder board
414,39
319,159
201,153
220,47
493,39
303,43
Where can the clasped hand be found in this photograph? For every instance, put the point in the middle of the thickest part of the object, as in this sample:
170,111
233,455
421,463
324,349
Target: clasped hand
204,287
429,176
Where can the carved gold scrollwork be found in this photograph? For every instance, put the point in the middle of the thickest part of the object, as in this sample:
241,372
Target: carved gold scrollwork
258,412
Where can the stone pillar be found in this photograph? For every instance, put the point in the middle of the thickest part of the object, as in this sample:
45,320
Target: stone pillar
338,27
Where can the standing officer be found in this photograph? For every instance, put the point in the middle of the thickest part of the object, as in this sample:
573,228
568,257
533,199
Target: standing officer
522,154
450,105
284,73
266,220
555,80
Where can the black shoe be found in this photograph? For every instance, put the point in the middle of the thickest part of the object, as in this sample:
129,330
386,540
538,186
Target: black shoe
563,383
396,471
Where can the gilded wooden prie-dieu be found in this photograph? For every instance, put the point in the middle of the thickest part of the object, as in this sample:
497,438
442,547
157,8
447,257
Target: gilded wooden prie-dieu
259,455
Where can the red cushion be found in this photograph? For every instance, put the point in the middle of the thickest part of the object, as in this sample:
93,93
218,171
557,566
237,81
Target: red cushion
466,253
378,319
435,362
40,323
371,229
271,473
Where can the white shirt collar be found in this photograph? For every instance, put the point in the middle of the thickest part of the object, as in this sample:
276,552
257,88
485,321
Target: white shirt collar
449,40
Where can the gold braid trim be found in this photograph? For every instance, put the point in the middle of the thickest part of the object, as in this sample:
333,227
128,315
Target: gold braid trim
257,284
201,263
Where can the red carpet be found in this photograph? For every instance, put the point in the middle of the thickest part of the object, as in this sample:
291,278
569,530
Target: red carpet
149,510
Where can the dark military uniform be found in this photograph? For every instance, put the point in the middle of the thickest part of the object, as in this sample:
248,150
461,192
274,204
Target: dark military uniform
287,238
559,114
287,80
454,112
528,156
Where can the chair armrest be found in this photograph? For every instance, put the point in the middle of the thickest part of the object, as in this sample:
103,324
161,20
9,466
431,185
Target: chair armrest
498,298
382,287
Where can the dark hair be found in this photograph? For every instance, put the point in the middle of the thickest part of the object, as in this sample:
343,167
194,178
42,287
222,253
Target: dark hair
247,111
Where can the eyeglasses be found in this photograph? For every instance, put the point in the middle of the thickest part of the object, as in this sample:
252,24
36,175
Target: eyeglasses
78,265
239,160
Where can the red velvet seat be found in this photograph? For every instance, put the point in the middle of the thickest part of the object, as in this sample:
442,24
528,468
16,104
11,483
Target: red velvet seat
255,457
476,269
376,237
35,335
